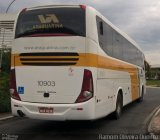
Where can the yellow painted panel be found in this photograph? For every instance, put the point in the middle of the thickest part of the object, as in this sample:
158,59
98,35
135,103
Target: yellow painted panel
93,60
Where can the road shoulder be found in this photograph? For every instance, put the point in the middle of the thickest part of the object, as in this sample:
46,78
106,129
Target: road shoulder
154,124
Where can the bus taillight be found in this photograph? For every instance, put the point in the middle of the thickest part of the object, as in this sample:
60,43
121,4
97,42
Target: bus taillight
83,7
13,89
87,87
24,10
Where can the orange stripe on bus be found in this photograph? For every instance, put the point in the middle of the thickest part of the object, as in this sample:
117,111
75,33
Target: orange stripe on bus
93,60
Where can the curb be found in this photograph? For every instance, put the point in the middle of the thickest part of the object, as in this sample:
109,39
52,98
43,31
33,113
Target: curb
155,112
5,118
152,87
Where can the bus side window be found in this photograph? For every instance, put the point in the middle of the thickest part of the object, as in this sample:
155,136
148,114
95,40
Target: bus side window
101,27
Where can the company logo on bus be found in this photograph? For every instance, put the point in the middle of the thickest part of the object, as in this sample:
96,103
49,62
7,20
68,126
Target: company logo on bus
48,21
48,18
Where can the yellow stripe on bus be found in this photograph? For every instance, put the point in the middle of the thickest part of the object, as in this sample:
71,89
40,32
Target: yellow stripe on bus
93,60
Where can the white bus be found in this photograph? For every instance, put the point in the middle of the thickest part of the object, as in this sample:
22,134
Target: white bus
70,63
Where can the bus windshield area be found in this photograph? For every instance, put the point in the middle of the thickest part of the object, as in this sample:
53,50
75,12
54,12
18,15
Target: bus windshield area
51,22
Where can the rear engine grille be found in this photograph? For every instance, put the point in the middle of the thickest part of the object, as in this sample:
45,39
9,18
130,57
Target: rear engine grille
49,59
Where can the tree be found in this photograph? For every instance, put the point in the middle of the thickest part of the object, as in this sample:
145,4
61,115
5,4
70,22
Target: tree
6,60
4,81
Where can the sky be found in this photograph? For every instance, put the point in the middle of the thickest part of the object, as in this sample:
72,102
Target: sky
140,19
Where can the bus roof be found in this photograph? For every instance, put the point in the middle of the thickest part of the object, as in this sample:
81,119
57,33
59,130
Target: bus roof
52,6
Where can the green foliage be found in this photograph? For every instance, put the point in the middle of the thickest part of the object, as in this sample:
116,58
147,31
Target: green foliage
4,82
155,83
6,60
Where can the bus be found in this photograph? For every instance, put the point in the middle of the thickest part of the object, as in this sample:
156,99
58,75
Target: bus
69,62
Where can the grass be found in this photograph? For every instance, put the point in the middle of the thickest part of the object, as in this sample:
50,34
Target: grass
155,83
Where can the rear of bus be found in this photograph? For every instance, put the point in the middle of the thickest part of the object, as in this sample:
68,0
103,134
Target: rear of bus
50,78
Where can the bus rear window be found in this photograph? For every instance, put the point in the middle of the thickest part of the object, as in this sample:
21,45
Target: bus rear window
51,22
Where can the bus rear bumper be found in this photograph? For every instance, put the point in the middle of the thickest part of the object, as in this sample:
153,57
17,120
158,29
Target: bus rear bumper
77,111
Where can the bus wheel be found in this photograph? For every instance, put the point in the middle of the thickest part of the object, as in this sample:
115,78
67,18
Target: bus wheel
142,96
119,105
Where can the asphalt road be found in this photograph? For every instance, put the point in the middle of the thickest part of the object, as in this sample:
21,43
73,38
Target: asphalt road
133,121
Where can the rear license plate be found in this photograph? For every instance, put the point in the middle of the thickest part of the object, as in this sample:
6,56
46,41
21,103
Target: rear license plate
45,110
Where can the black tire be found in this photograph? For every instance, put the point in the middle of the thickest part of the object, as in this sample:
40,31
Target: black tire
119,106
142,97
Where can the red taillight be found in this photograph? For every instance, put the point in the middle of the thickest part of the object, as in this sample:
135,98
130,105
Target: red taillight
83,7
87,87
13,87
23,10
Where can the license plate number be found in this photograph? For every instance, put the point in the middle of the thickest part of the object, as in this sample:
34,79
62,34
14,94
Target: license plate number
45,110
